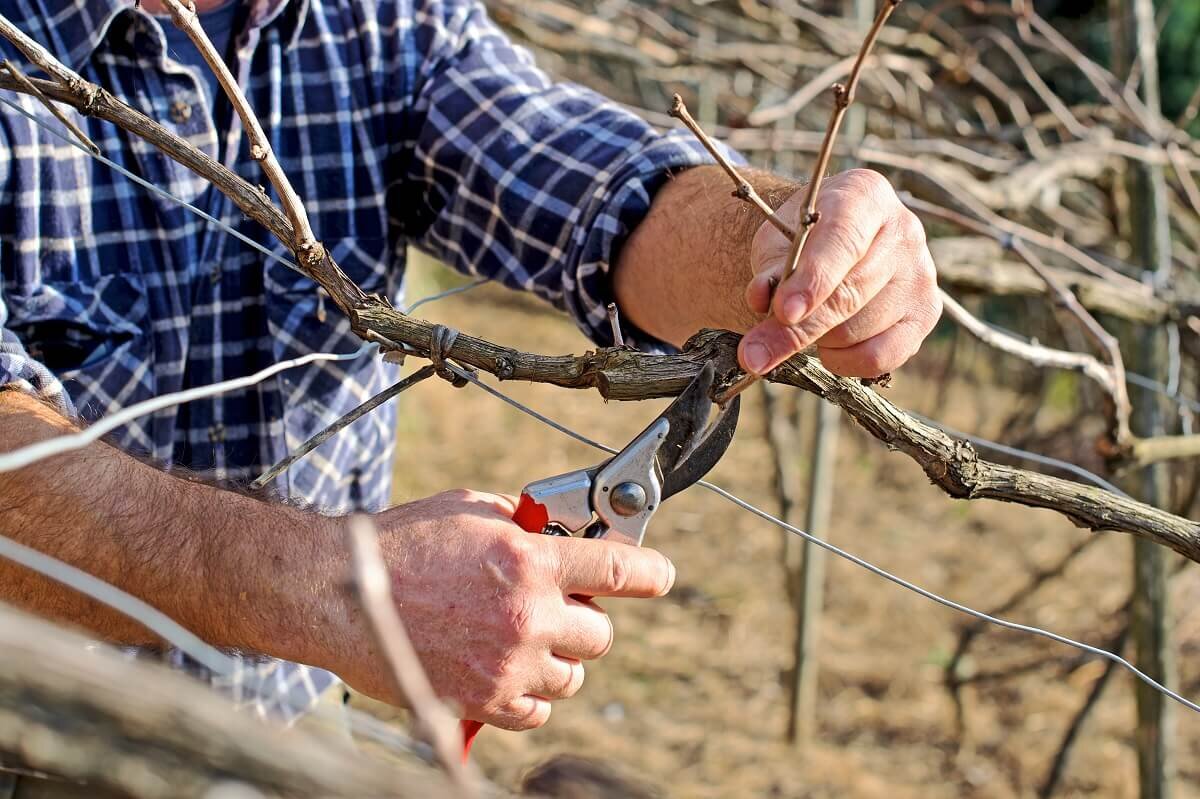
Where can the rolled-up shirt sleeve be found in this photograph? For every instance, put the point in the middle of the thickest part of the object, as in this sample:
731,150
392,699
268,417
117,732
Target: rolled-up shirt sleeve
517,178
20,371
17,369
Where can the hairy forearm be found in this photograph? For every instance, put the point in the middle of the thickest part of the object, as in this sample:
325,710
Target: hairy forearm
687,264
234,570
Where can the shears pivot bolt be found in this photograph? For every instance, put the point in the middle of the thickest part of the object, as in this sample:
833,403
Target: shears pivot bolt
628,499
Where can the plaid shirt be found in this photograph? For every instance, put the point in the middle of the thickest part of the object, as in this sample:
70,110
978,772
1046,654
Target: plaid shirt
399,122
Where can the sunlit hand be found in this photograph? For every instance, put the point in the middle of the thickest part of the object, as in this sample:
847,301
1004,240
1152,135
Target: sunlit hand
864,291
489,607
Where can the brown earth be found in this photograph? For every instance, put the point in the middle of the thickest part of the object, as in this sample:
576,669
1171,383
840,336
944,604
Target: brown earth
693,697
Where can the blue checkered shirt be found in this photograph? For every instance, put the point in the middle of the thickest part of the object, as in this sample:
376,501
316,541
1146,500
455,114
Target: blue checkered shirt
400,122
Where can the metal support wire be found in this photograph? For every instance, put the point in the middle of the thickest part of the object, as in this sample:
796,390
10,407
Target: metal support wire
841,553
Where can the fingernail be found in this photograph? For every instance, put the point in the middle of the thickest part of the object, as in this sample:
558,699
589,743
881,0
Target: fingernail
795,308
755,357
670,578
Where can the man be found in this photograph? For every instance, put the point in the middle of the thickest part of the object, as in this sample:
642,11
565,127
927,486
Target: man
400,122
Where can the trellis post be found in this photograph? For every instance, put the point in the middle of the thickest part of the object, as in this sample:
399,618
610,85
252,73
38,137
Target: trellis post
1135,34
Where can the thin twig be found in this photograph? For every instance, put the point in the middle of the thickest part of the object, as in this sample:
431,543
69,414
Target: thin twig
614,322
183,14
38,56
345,421
1175,156
843,96
743,190
1190,110
70,125
1104,340
434,723
1036,354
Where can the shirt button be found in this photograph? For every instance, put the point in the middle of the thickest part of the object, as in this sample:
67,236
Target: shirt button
216,433
180,112
214,274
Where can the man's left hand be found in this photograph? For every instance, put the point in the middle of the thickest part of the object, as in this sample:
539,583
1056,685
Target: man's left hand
864,291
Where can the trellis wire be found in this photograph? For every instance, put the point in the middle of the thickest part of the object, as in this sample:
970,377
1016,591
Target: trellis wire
841,553
20,458
1025,454
145,184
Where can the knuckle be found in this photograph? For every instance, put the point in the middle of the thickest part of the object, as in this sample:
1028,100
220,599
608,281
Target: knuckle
521,714
847,238
935,312
868,180
616,571
928,271
875,362
459,495
518,559
845,300
910,226
796,338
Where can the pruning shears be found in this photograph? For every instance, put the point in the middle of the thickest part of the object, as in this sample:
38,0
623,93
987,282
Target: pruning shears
617,498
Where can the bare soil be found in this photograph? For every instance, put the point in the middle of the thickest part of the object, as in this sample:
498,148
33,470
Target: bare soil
693,697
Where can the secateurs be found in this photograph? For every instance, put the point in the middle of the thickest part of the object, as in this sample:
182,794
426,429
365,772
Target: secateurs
616,499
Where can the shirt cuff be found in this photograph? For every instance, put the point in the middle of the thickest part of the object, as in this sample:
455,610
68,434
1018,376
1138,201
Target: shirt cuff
19,371
616,210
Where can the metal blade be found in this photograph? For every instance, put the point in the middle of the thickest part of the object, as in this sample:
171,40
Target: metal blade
706,452
688,416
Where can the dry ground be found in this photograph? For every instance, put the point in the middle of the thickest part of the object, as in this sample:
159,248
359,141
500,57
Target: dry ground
692,698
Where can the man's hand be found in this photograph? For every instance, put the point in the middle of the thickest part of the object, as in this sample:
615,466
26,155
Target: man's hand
491,608
864,291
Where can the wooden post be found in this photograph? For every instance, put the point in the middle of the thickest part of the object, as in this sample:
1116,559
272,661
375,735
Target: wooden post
810,591
1135,32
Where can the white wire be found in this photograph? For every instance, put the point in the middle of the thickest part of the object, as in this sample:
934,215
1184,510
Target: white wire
20,458
153,619
856,560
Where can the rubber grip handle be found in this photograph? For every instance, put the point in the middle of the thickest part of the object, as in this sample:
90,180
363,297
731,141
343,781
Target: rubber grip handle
532,517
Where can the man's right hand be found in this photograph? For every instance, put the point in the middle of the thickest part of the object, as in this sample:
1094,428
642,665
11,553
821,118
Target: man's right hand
487,605
491,608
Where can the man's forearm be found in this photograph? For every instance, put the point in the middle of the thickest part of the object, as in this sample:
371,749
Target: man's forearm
234,570
687,264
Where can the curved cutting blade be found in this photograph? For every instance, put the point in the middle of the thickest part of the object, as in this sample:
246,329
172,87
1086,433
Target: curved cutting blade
707,450
693,445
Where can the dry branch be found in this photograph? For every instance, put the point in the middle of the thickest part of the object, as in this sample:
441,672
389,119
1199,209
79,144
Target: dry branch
141,729
183,14
978,265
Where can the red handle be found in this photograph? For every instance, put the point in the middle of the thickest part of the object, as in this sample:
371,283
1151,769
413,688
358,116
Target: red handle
532,517
469,730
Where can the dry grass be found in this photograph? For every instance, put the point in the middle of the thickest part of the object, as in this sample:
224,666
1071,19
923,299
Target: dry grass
692,695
